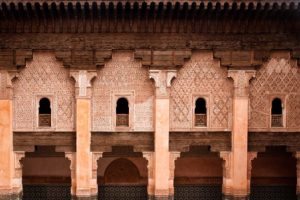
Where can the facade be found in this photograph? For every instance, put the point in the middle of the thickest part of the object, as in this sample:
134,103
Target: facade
150,100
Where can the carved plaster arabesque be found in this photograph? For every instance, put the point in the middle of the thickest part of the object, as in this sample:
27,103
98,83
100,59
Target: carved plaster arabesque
43,75
280,75
200,76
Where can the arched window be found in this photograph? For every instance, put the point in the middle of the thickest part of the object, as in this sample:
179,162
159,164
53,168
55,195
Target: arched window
44,113
200,113
122,112
276,113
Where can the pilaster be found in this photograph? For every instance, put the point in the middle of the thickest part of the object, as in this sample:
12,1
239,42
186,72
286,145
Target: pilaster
241,78
71,156
161,169
149,156
251,157
297,156
9,184
84,180
173,157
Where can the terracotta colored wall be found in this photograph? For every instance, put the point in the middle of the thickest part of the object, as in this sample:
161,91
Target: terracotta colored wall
198,170
46,166
140,163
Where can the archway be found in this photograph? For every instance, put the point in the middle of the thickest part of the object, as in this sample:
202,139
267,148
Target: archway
273,175
122,174
198,175
46,175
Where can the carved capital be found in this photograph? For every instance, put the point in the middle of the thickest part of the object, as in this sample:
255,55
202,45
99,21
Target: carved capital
83,80
163,80
149,156
241,80
173,157
163,58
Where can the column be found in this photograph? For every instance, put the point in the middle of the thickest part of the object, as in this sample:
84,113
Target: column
7,168
239,161
162,79
83,133
297,156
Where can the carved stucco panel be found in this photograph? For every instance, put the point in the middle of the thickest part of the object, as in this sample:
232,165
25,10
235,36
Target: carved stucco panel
43,76
120,75
201,75
279,76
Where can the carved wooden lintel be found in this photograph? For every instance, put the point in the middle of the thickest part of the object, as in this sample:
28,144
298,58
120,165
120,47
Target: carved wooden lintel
158,59
241,59
83,59
218,141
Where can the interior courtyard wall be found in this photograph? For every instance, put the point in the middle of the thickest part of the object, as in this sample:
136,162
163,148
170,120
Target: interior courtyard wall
279,77
122,76
198,170
43,76
202,76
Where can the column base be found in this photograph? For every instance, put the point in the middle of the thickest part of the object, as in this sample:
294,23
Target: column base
11,196
231,197
150,197
85,198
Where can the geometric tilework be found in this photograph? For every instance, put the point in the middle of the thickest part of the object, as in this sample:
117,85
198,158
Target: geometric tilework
46,192
198,192
273,193
117,192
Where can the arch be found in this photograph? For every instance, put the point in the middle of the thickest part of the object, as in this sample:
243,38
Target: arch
121,171
276,113
44,112
200,112
122,112
122,106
